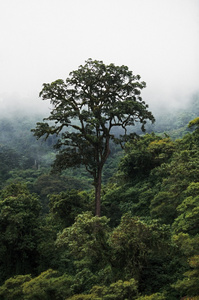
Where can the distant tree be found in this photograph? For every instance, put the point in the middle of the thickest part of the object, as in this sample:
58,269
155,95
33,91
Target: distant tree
95,99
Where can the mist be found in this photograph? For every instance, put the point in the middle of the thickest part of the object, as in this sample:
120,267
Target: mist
43,40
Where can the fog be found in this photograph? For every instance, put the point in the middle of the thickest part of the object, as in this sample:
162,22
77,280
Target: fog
43,40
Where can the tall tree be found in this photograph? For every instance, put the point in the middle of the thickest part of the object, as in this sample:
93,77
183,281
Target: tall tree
94,99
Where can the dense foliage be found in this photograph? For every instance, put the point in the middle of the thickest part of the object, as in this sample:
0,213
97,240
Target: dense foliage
87,107
145,245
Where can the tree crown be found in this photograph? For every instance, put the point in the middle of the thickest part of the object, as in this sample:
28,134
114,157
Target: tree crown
94,99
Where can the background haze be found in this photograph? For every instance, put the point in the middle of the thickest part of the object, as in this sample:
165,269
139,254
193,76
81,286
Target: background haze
43,40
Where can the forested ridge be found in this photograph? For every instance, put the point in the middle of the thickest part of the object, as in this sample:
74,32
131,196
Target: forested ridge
144,245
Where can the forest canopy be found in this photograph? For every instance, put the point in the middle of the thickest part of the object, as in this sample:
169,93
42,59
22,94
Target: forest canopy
144,245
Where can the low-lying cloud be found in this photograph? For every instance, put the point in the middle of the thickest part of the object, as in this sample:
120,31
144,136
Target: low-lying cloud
42,41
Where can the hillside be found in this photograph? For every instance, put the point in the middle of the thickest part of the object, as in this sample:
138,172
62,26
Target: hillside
145,244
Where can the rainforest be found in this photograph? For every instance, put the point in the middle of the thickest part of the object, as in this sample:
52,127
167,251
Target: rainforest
145,243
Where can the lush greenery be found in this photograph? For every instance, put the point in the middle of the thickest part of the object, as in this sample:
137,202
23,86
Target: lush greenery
145,245
94,100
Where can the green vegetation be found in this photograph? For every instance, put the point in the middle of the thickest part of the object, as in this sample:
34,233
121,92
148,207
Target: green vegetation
95,99
144,246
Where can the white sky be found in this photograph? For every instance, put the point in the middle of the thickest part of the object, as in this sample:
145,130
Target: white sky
43,40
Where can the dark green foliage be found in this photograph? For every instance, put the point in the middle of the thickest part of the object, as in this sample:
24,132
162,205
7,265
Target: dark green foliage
156,296
145,154
53,184
163,207
27,177
146,245
176,177
118,200
188,219
49,285
137,247
65,206
48,256
19,212
9,160
190,284
94,100
119,290
12,289
15,135
48,184
85,243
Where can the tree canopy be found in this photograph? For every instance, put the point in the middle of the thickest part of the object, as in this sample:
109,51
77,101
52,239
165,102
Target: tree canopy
95,99
145,245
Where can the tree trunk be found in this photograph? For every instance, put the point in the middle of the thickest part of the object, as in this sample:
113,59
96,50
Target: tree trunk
98,193
101,159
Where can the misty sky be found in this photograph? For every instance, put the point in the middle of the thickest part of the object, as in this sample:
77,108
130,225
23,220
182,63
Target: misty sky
43,40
